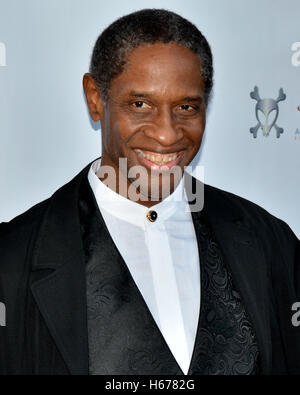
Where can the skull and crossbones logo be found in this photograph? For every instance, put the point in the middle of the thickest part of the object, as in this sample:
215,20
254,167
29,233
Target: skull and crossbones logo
263,109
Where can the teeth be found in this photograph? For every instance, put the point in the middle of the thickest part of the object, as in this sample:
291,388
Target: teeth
159,159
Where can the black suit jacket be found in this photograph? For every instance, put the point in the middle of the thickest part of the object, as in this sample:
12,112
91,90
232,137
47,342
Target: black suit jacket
42,282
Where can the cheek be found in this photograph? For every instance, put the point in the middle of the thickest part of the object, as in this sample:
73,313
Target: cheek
195,132
123,127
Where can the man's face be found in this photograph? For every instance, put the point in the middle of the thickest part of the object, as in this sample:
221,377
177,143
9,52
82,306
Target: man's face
155,113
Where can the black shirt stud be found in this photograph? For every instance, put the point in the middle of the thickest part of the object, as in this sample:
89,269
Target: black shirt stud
152,215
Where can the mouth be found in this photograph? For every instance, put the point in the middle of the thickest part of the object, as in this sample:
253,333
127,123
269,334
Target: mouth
158,161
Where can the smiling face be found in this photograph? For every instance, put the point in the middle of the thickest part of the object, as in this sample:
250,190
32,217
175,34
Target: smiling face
154,115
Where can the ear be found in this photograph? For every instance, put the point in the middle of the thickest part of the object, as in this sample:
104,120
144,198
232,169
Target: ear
93,97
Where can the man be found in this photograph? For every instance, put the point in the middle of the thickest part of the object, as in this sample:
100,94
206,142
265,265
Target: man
120,271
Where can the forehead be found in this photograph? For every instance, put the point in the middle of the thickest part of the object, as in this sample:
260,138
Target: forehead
168,70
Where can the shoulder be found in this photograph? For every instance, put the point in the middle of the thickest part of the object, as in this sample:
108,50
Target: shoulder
18,236
273,233
19,229
279,243
235,206
231,201
24,220
15,236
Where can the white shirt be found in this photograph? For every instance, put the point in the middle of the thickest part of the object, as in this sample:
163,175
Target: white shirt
162,257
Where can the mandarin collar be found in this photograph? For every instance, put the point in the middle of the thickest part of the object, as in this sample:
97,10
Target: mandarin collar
132,212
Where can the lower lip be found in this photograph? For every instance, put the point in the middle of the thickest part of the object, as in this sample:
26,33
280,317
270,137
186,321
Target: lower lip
164,167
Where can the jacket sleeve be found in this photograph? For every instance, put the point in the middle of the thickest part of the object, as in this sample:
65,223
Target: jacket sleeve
15,239
285,273
289,249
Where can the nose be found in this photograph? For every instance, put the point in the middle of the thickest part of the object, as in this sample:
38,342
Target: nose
164,128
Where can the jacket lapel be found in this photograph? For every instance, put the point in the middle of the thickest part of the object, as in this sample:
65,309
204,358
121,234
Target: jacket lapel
61,293
245,259
59,288
123,335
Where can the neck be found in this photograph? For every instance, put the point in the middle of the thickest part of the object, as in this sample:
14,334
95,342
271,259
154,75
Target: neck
110,174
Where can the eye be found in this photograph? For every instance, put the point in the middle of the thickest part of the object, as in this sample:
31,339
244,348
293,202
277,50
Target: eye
187,108
141,104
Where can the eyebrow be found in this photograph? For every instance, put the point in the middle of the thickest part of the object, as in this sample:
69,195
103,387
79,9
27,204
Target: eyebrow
192,98
147,95
139,94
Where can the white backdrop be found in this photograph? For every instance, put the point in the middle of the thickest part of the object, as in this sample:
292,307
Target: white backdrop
46,134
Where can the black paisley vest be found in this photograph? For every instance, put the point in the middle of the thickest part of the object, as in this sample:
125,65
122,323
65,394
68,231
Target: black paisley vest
123,336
